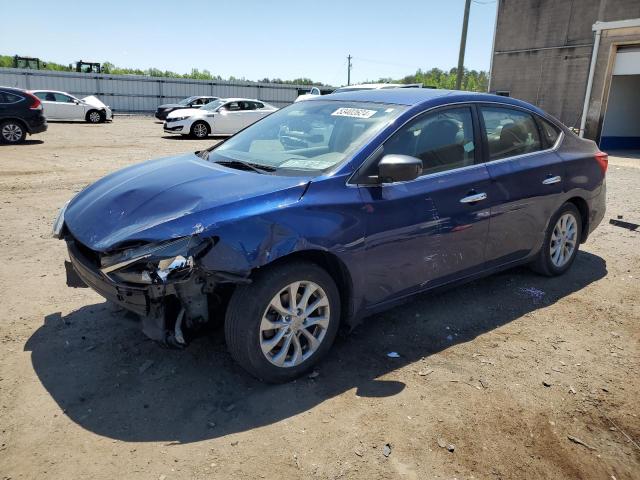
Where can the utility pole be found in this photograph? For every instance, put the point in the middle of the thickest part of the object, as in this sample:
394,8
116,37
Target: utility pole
463,44
349,57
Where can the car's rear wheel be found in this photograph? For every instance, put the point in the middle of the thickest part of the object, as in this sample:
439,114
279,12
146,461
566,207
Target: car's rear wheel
199,130
284,322
12,131
561,242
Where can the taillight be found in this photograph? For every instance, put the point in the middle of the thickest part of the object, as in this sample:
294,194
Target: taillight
603,160
36,104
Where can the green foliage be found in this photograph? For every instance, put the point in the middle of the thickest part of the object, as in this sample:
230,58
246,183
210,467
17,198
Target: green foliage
6,61
472,80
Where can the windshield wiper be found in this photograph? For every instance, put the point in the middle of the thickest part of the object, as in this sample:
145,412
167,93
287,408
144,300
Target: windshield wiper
247,165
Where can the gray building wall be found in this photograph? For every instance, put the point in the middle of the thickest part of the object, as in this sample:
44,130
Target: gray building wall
542,52
136,93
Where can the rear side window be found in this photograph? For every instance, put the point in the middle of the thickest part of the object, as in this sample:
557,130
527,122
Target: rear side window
550,133
6,97
510,132
442,140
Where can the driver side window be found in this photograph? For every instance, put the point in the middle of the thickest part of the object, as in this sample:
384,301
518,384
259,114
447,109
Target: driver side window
232,106
443,140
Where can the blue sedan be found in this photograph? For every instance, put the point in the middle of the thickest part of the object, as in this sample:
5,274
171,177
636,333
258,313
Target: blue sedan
330,210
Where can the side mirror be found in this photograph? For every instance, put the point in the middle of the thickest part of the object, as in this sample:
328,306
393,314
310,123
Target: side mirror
399,168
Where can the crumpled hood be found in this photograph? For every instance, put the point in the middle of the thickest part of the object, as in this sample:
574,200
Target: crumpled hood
94,101
172,197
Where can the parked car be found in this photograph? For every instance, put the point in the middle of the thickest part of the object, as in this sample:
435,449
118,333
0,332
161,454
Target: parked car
224,116
315,91
385,194
64,106
191,102
20,115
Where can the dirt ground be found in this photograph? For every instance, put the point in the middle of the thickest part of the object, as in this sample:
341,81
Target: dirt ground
505,369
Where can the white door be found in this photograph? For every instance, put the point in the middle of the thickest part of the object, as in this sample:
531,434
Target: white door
229,119
49,105
68,108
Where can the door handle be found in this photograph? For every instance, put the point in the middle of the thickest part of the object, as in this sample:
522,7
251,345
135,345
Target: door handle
551,180
476,197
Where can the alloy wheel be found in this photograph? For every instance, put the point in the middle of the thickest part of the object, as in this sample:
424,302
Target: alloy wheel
12,132
200,130
94,117
294,324
563,240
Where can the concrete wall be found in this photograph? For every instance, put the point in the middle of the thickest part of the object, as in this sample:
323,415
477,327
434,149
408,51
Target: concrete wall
135,93
543,48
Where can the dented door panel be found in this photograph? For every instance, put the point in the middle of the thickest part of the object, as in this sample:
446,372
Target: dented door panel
419,234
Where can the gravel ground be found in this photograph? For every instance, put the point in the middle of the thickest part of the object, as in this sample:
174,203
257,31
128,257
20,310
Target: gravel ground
504,372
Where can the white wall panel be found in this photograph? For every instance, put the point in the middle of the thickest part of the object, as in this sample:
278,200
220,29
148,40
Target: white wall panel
132,93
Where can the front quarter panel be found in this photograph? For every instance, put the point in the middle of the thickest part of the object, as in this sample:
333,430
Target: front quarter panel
327,218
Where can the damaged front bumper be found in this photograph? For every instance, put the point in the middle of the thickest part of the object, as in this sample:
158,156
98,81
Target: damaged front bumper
172,297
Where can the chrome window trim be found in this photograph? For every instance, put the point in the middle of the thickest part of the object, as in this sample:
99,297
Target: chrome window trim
555,147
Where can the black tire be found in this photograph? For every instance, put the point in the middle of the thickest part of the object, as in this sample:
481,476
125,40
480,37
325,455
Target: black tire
249,303
198,132
95,116
12,132
543,263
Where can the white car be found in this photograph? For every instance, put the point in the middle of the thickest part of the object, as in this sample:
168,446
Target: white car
226,116
64,106
315,91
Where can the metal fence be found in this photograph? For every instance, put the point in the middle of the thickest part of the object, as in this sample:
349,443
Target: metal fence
136,93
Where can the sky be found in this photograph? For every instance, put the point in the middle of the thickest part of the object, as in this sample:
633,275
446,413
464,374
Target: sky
254,39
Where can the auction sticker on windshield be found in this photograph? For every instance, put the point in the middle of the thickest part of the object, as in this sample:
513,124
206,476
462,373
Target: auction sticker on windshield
354,112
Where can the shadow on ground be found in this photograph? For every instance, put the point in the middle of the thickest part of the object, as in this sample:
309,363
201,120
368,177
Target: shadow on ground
24,143
187,137
110,380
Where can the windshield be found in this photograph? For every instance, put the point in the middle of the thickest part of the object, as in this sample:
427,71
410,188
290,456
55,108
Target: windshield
307,137
187,101
213,105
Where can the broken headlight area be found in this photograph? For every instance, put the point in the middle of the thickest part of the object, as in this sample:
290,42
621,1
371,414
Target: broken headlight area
155,263
163,283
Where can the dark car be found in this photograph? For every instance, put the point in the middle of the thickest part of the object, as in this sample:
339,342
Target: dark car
192,102
330,210
20,114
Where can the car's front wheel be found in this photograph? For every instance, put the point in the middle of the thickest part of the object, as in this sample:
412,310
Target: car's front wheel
199,130
94,116
561,242
12,131
284,322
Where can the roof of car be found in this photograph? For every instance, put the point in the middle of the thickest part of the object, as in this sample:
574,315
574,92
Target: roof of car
12,89
52,91
371,86
234,99
417,96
